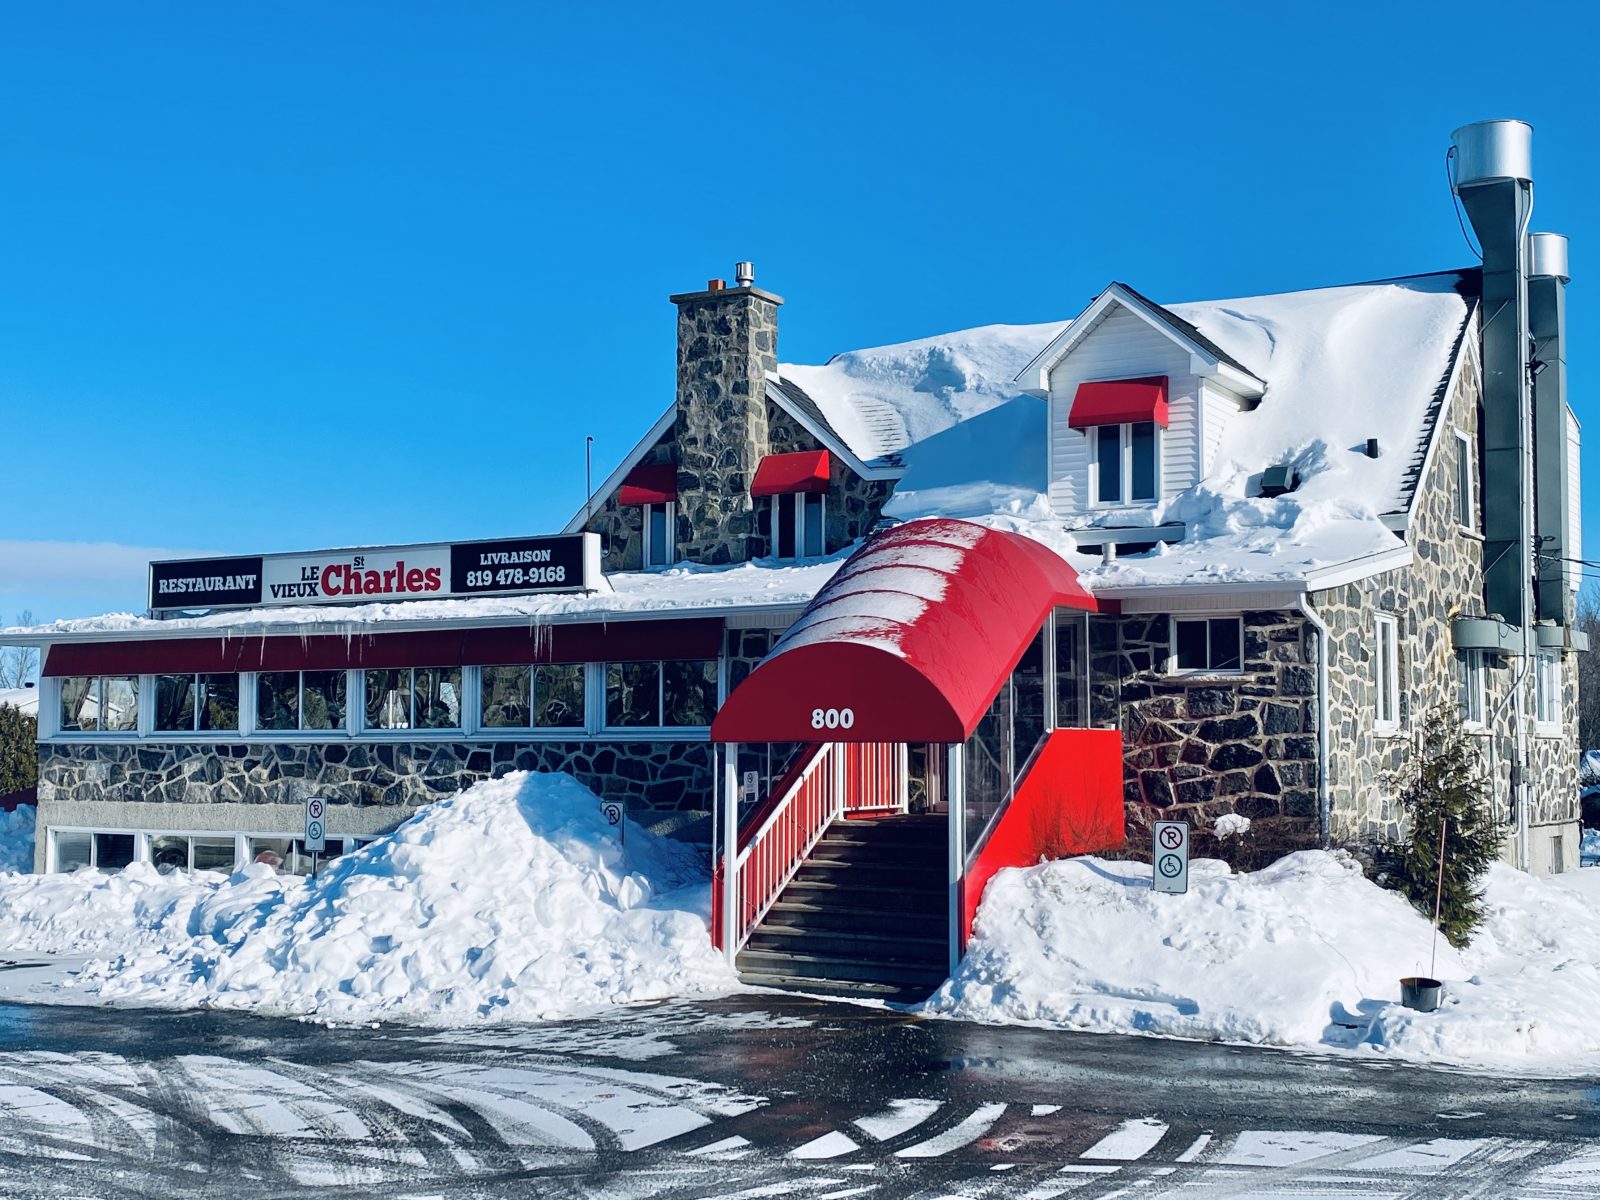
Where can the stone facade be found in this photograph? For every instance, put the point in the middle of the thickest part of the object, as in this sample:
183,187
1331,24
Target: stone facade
653,778
853,504
621,527
727,342
1198,746
1445,580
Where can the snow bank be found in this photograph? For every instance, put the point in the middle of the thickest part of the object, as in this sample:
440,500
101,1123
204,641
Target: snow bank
16,838
1306,953
512,900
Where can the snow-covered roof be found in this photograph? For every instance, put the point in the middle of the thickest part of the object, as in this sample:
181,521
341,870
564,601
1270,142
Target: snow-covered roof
1340,364
680,591
882,400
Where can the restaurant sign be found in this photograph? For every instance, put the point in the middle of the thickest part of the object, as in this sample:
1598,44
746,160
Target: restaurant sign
366,575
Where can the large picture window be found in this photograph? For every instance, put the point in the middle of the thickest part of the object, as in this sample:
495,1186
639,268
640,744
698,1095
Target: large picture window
197,704
1126,463
672,694
99,704
413,698
300,700
549,696
1208,644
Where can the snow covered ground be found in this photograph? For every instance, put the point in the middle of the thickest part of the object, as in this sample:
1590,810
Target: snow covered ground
1305,953
512,900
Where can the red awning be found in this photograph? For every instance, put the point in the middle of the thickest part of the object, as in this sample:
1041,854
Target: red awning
656,483
909,642
804,471
1120,402
617,641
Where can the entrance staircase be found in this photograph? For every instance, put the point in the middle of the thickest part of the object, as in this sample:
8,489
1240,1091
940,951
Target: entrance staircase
866,914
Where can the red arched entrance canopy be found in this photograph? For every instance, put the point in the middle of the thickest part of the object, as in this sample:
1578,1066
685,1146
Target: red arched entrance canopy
909,642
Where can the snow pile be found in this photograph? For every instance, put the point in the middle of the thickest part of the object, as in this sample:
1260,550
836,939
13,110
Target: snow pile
1231,825
511,900
884,399
1306,953
16,838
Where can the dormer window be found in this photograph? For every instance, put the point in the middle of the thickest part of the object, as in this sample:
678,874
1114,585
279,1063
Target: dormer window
1122,419
1126,464
653,489
797,486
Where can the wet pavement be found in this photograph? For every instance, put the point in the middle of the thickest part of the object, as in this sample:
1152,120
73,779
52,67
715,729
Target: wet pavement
751,1096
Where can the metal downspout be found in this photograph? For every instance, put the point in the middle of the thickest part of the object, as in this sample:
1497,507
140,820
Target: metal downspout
1324,792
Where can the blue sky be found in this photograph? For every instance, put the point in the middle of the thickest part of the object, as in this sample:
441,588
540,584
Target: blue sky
285,276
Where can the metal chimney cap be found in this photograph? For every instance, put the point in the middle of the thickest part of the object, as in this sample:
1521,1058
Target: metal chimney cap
1547,256
1487,151
744,273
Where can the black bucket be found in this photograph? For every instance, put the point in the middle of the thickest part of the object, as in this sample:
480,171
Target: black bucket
1420,992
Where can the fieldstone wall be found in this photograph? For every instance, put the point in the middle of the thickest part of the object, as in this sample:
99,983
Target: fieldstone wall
854,504
1445,580
727,342
1196,747
621,528
649,777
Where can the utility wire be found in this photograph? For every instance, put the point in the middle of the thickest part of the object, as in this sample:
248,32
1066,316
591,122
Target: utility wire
1455,198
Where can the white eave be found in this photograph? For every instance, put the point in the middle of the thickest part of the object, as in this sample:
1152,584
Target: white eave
1263,593
1035,377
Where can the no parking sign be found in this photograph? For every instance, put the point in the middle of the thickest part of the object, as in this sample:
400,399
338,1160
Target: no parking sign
1169,858
316,825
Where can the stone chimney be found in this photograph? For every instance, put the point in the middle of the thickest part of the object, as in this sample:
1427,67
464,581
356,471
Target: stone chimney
727,342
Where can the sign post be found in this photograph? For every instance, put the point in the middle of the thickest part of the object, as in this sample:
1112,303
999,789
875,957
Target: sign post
316,832
612,810
1169,858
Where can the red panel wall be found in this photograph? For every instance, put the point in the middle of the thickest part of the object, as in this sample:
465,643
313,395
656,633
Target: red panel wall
1069,803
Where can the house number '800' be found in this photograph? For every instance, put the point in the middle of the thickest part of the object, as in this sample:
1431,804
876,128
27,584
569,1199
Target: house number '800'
832,718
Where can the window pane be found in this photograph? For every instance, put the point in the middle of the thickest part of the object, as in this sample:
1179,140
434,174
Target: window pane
214,853
1071,667
505,697
113,851
169,853
122,704
322,699
814,546
1191,638
388,700
558,696
1225,644
691,689
219,702
274,852
1143,441
1027,697
278,700
657,541
437,692
78,708
1463,482
1108,454
72,851
784,510
175,703
633,694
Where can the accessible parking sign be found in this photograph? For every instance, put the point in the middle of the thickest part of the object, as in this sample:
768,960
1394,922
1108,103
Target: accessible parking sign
1169,857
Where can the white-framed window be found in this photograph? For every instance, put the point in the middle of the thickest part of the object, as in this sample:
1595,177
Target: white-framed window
1547,691
97,704
1125,462
196,704
544,696
1206,645
673,694
313,701
1466,483
69,849
1386,677
411,698
1472,669
104,850
660,541
798,524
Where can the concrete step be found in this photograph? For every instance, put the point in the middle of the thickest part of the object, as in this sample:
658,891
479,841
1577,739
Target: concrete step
837,969
898,948
846,910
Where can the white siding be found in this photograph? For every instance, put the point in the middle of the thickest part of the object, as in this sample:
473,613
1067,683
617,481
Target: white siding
1121,346
1218,407
1573,550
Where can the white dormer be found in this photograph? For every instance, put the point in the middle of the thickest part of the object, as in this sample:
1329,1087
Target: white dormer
1138,399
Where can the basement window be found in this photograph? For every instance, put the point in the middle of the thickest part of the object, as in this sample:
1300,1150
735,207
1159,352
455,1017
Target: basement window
1206,645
